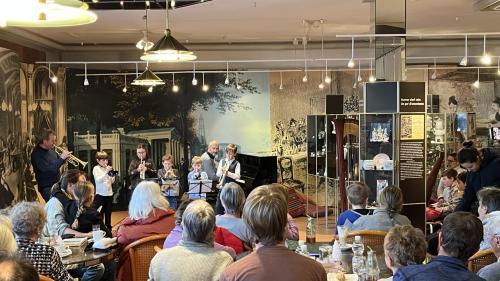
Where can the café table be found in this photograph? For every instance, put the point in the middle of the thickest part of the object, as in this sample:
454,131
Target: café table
346,256
90,257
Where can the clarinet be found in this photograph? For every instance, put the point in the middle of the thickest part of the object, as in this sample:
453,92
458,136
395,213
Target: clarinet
223,177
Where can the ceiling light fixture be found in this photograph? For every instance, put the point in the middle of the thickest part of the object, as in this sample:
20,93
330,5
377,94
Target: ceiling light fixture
360,79
205,87
328,79
168,48
144,44
172,4
486,58
150,89
476,84
281,80
52,75
351,63
148,78
175,88
498,66
238,87
304,43
227,74
321,86
85,81
125,86
434,74
372,77
464,60
46,13
355,85
194,81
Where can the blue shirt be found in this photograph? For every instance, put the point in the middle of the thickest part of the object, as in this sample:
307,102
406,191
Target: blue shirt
351,215
440,268
46,164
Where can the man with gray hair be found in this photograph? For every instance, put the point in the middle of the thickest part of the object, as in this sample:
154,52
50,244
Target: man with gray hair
209,165
492,272
265,213
488,210
195,257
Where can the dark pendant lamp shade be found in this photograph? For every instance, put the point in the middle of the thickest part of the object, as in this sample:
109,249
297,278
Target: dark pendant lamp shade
148,78
168,49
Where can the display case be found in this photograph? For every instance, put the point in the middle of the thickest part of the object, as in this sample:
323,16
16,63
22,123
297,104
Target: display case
350,146
316,145
377,151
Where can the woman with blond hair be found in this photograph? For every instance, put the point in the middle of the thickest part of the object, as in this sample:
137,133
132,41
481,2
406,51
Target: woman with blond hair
387,215
7,240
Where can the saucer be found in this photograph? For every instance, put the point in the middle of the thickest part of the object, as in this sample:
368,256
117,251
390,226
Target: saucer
65,253
346,247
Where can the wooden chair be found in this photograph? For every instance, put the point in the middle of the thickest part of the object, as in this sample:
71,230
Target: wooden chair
157,249
140,253
372,238
481,259
44,278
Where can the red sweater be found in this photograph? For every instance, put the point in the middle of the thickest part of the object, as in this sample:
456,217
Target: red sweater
158,221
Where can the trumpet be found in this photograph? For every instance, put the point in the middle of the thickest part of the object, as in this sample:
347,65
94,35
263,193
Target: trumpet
75,161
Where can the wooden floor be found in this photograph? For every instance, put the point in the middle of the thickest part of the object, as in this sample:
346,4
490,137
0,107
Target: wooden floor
322,235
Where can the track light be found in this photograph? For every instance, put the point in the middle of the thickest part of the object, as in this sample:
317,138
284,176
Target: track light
476,84
486,58
434,74
205,87
355,85
227,74
194,81
328,79
372,77
238,87
351,63
175,88
304,79
54,79
360,79
85,81
125,85
304,43
172,4
464,60
150,89
281,80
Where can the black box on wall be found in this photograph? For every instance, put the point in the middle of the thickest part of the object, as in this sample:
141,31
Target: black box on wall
334,104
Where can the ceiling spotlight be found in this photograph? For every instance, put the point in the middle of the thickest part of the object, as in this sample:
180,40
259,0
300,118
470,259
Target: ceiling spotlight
486,58
281,80
360,79
172,4
121,3
85,81
144,44
372,77
175,88
304,79
464,60
328,79
238,87
194,81
150,89
476,84
321,86
351,64
54,79
205,87
125,84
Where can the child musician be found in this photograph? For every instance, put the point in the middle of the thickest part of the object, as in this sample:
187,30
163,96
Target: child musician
197,173
228,171
104,177
169,180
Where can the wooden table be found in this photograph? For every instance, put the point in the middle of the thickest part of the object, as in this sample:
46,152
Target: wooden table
90,257
346,256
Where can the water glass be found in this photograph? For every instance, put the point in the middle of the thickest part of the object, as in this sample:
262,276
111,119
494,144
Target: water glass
342,234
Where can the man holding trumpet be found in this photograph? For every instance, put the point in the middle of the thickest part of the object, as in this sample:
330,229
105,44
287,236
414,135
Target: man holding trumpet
46,162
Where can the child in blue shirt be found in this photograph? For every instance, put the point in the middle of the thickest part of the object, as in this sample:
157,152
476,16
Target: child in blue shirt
357,194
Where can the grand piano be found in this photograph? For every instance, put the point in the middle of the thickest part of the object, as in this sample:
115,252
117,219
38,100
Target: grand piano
257,169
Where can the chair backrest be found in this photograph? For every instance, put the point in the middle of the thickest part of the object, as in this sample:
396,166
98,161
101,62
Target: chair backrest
44,278
481,259
141,253
372,238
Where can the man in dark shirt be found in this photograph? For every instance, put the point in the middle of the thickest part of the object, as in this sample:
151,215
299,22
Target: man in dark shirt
46,162
458,240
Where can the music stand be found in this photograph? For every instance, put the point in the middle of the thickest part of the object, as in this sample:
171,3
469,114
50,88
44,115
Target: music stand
173,183
198,188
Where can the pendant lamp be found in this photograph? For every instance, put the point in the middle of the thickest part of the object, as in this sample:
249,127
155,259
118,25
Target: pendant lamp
45,13
148,78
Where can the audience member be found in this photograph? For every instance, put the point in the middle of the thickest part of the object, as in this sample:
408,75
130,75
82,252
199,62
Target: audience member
449,198
13,268
482,166
491,272
357,195
404,245
232,199
195,258
28,219
387,215
461,179
148,214
451,163
7,240
265,213
291,230
488,210
458,240
104,179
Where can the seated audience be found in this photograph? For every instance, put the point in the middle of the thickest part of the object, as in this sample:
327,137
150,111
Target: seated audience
404,245
461,179
491,272
458,240
451,195
148,214
451,163
195,258
265,214
28,219
291,230
357,195
14,268
232,199
387,215
175,236
7,240
488,210
81,211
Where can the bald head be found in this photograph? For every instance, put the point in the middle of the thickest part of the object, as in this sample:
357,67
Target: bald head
213,147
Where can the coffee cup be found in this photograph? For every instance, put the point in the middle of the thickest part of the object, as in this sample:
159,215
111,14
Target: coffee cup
98,235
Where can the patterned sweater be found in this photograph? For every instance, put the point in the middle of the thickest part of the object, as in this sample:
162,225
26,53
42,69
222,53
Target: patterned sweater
44,258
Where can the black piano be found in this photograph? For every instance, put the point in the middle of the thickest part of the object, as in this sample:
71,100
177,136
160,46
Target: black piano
257,169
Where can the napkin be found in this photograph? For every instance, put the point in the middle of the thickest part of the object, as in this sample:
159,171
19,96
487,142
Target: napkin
105,243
